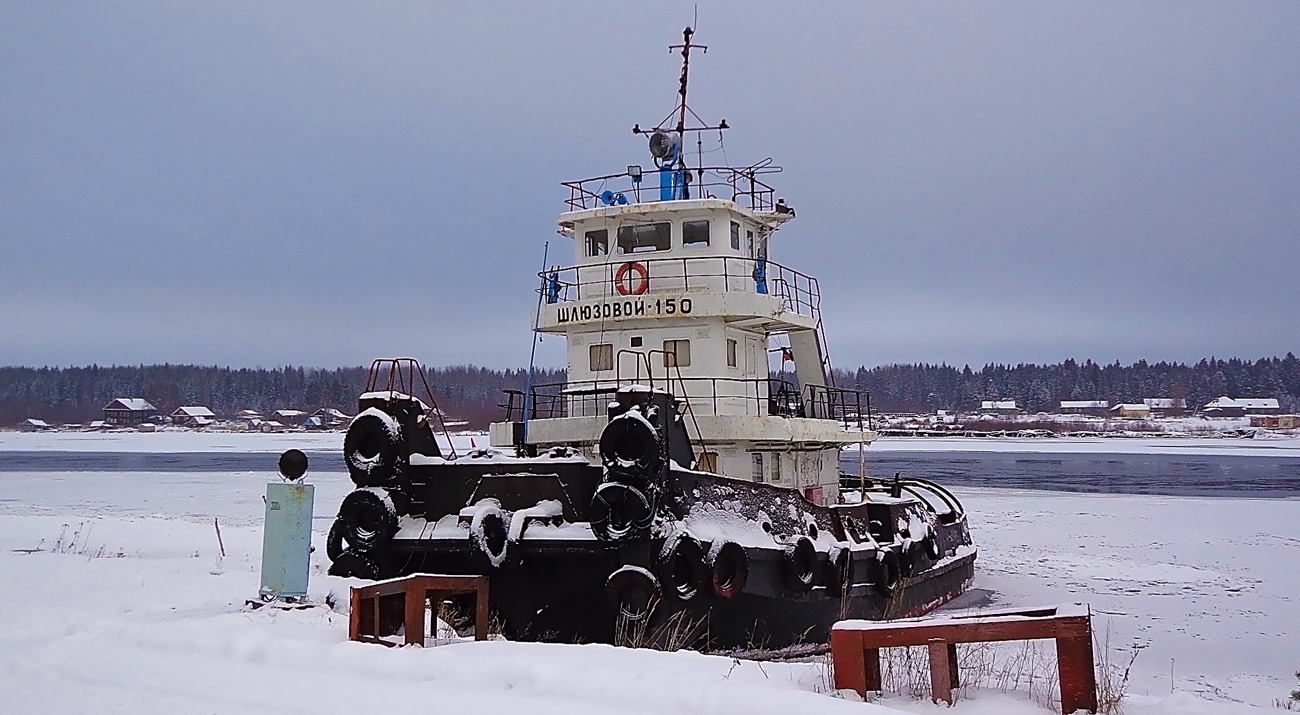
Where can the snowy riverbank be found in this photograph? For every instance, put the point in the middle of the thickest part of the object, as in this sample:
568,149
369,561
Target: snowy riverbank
1205,587
196,441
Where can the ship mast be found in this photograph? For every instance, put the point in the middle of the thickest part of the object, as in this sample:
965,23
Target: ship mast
686,71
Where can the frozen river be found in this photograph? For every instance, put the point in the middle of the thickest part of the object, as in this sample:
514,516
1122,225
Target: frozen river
1199,570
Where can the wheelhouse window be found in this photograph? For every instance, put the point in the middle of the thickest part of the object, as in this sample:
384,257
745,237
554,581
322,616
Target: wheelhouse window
597,242
731,353
758,466
735,236
695,234
677,353
776,467
749,244
644,238
601,357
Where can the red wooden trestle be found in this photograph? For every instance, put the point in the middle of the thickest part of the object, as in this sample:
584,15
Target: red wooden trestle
855,647
411,594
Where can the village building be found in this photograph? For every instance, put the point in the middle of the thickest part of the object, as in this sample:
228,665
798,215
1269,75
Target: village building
193,416
1131,410
1166,406
998,407
1096,408
1240,407
329,418
129,411
31,424
1275,421
290,417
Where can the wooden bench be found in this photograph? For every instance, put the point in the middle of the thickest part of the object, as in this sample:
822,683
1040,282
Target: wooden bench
855,647
373,605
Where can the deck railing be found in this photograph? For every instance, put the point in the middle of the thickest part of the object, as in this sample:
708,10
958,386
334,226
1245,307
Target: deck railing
739,184
801,293
701,396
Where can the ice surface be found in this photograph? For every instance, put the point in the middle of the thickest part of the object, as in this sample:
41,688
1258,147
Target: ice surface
129,608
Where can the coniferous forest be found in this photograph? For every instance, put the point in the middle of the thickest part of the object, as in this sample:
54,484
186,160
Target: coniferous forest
78,394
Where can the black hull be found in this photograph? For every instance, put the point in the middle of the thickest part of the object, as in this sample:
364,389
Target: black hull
558,593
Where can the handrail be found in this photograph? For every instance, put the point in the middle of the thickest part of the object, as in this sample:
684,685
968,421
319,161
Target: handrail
800,292
769,396
742,182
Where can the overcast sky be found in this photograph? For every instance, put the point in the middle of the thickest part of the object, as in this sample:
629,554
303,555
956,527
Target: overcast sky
323,183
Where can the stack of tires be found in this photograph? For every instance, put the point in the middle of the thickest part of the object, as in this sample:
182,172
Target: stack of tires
376,455
623,506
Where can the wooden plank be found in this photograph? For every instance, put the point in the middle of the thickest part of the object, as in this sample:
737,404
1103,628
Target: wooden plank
965,632
482,615
354,614
413,621
941,684
848,662
1075,667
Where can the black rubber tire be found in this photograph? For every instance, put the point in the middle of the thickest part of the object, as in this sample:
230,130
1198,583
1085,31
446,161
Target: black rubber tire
682,572
930,547
334,545
375,454
634,591
728,566
490,536
888,573
354,563
369,519
799,565
619,513
840,573
629,445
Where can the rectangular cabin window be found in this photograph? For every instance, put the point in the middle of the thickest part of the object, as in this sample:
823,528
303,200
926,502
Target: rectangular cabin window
762,247
636,341
758,466
749,244
735,236
776,467
602,357
677,353
731,353
644,237
598,242
695,233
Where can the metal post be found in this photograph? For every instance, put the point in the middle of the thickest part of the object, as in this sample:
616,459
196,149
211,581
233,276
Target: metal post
532,359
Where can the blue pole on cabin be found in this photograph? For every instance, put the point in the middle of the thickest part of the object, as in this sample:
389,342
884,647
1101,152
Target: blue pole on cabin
532,359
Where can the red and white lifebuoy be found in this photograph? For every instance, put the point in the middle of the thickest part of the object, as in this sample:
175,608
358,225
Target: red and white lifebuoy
636,286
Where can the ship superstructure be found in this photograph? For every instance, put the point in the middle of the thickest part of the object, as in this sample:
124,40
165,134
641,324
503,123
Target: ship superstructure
674,286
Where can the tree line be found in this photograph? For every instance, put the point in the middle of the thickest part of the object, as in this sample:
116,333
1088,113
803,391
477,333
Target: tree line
1040,388
78,394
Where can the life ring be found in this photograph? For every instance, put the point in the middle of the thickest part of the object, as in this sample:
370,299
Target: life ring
728,569
639,288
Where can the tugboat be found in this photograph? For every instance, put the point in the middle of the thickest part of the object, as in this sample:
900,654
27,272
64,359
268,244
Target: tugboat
674,490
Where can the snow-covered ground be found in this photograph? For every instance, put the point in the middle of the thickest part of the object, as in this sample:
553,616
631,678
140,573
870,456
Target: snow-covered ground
140,614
